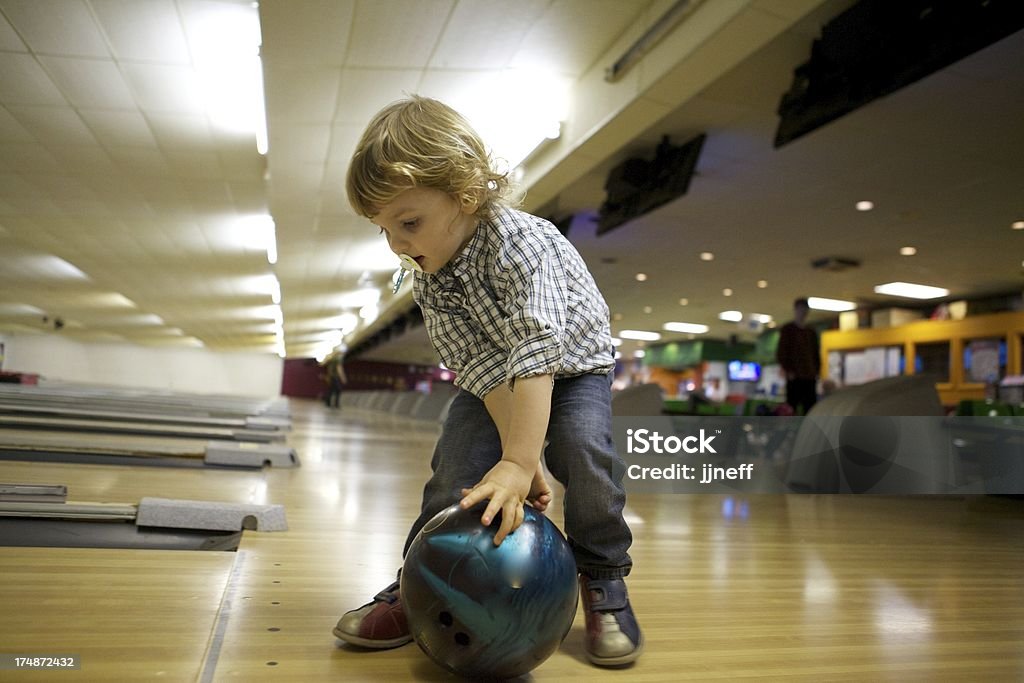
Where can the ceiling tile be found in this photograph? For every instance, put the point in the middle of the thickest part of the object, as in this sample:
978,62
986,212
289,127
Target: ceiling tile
364,92
119,128
54,124
481,34
9,40
313,32
163,88
144,31
396,33
57,27
23,81
301,96
90,82
11,130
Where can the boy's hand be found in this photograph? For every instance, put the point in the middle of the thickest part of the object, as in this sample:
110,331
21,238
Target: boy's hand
540,493
506,485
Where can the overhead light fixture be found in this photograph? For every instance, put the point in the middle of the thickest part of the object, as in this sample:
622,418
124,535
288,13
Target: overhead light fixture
1017,225
731,316
639,353
907,251
689,328
707,256
865,205
658,30
639,335
517,111
761,284
684,302
224,41
641,277
726,292
909,290
368,296
818,303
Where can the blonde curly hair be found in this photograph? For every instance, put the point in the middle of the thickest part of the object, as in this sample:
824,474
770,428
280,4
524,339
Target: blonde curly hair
421,142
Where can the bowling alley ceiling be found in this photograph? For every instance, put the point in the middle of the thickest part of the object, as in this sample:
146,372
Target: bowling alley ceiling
133,208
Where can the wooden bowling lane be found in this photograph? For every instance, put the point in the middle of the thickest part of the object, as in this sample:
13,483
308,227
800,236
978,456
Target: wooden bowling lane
127,615
765,587
811,588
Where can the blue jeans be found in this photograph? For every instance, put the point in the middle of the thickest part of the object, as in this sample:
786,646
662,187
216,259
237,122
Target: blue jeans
580,455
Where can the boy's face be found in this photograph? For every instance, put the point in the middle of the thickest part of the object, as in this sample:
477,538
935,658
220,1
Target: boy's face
428,225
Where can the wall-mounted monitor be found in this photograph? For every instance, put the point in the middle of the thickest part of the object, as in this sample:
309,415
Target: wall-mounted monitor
743,371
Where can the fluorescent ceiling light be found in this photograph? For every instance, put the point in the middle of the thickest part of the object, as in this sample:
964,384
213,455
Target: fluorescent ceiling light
52,267
516,111
910,290
19,309
821,304
639,335
359,298
731,316
224,40
691,328
371,254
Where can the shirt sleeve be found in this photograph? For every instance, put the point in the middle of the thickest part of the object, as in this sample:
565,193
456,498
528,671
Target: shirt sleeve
535,302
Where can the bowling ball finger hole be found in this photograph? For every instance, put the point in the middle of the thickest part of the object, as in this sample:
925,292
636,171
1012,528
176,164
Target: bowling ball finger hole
462,639
446,619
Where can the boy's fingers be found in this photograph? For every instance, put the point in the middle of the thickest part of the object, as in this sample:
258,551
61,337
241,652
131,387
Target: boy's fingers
508,519
473,496
493,508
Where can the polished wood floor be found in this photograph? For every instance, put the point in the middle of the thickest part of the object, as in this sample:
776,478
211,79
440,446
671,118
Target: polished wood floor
815,588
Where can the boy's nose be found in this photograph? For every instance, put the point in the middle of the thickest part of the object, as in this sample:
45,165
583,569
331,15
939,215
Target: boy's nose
397,244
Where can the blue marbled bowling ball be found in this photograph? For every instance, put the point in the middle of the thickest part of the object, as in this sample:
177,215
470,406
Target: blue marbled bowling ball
484,611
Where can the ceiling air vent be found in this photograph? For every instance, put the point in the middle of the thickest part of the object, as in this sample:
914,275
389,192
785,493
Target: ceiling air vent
835,264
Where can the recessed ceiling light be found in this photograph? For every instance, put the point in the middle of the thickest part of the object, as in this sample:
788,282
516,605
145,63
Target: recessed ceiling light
761,284
639,353
707,256
726,292
1017,225
821,304
640,335
910,290
731,316
865,206
691,328
907,251
684,302
647,309
641,277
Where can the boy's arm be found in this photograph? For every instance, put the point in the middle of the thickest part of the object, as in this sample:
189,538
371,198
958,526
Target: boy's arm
522,420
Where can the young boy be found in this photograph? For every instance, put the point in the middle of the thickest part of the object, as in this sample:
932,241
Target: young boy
510,307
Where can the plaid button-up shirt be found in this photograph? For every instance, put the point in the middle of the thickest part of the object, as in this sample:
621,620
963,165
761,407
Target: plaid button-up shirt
517,301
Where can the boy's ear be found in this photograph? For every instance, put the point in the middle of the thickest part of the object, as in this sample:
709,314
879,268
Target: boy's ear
469,203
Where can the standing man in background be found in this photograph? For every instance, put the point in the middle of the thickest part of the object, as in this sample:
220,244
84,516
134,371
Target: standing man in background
334,376
800,357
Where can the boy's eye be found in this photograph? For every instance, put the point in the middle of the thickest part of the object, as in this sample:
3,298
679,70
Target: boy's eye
409,225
